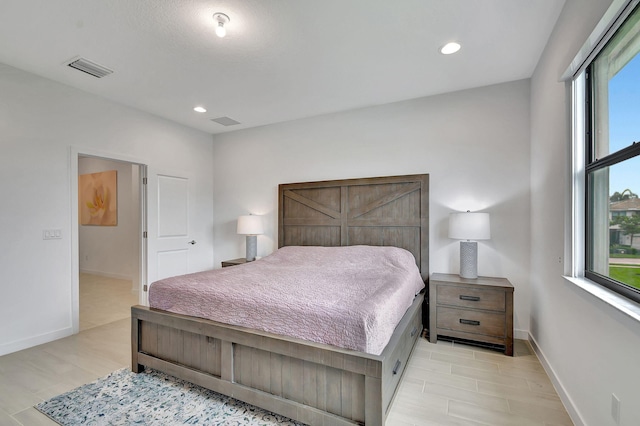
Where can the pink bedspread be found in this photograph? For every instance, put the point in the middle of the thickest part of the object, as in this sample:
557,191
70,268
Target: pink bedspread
352,297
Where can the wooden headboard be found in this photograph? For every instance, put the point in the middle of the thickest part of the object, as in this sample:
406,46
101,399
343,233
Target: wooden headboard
381,211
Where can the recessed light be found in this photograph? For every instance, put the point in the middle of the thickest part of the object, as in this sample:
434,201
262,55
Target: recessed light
199,109
450,48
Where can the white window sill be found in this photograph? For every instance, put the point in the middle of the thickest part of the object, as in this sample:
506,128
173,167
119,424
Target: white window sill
609,297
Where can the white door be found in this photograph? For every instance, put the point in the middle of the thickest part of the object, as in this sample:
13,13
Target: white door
173,241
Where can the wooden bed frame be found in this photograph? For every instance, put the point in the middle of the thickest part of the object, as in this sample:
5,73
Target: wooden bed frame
309,382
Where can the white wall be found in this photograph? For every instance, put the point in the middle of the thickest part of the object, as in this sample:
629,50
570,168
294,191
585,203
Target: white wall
591,347
40,121
113,251
474,144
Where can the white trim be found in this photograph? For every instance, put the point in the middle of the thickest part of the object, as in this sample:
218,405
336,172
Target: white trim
574,272
107,274
144,250
611,298
576,418
74,153
578,185
604,30
18,345
520,334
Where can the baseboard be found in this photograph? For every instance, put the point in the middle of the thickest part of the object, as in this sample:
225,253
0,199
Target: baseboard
107,274
520,334
18,345
562,393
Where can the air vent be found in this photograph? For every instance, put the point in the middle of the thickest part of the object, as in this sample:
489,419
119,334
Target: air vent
225,121
91,68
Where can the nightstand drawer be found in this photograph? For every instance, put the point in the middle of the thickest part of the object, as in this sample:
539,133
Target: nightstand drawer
468,297
234,262
485,323
477,310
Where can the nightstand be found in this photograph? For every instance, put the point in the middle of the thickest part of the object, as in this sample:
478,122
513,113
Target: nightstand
234,262
479,310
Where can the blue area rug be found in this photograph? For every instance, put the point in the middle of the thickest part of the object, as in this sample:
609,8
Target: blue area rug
152,398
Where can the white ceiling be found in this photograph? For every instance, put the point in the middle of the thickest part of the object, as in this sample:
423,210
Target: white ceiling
281,59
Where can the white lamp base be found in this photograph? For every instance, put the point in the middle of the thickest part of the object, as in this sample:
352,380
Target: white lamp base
468,259
252,247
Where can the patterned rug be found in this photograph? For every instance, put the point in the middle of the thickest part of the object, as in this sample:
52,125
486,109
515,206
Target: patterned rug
152,398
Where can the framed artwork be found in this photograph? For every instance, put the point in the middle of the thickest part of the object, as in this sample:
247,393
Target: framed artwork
98,198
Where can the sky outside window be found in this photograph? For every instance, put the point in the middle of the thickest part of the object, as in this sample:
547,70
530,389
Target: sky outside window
624,124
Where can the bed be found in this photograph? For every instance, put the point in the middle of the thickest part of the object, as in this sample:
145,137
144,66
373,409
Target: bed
314,383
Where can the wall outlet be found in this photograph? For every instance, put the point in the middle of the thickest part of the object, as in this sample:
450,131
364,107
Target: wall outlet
615,408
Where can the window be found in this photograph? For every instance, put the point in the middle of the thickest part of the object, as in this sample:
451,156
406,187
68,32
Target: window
612,162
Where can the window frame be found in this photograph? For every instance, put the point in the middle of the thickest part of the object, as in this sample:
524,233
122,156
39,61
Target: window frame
593,164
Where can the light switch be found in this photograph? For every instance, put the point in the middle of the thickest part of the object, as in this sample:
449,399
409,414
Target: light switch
52,234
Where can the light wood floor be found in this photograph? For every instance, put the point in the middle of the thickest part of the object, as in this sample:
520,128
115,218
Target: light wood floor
104,300
455,384
445,383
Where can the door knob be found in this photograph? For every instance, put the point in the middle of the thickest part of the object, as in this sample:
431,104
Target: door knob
192,242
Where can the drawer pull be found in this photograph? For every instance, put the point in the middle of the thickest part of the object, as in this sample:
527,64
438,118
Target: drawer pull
469,322
396,367
414,331
470,298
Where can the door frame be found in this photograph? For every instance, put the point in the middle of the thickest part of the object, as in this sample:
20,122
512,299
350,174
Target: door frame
74,155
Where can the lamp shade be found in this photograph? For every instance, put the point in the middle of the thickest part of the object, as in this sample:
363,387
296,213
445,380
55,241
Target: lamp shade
250,225
469,226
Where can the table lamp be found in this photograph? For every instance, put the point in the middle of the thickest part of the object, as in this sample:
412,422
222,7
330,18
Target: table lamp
469,227
250,226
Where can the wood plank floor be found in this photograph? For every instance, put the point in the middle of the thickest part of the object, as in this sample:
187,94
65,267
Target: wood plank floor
445,383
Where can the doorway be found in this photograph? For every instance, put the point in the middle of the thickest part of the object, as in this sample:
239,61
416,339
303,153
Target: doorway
111,255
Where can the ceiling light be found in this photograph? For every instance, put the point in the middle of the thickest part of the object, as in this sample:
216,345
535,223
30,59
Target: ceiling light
199,109
221,19
450,48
